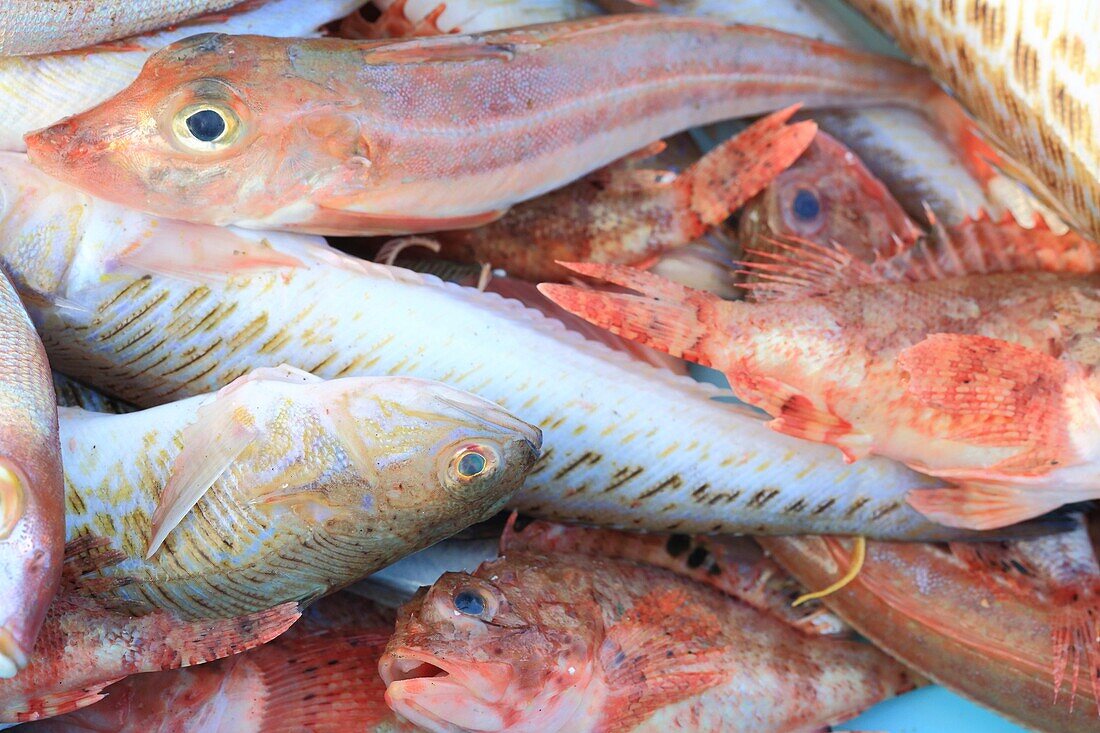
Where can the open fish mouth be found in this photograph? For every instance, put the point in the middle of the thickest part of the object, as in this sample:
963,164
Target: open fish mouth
441,695
12,656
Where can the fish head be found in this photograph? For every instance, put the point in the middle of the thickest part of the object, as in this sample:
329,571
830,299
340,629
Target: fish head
191,137
828,196
448,456
481,652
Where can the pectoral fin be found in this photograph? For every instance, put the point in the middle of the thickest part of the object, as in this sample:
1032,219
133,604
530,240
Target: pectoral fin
981,506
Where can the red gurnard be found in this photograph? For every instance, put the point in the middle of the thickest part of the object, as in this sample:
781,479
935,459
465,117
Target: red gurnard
340,136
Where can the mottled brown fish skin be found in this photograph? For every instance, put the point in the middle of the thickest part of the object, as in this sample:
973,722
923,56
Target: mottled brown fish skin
32,528
1028,70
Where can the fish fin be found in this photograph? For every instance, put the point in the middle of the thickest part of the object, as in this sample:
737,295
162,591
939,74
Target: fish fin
198,641
798,416
59,703
798,268
439,50
1076,641
335,217
86,554
202,254
222,431
668,317
725,178
282,373
982,506
324,681
1001,394
655,655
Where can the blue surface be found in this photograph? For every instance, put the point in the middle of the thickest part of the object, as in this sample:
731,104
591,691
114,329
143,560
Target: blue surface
930,710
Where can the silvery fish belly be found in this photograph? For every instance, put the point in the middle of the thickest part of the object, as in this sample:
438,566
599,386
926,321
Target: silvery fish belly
153,310
282,486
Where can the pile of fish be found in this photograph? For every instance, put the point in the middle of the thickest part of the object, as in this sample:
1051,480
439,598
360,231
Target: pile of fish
351,369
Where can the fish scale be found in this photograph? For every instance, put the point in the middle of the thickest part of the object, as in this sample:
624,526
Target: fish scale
626,444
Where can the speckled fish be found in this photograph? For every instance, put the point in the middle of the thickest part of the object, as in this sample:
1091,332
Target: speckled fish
36,91
585,644
32,525
325,683
905,370
1026,69
941,617
152,310
337,136
632,215
83,648
827,196
34,26
282,486
408,18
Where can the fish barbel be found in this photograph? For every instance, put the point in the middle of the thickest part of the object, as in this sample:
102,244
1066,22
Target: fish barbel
940,616
36,91
33,26
336,136
905,370
1027,70
32,490
283,486
84,647
197,306
588,645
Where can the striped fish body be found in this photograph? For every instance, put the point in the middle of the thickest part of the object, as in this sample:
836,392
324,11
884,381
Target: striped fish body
1027,70
337,480
626,445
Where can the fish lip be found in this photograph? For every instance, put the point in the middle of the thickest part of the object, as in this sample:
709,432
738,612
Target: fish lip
12,657
476,678
495,415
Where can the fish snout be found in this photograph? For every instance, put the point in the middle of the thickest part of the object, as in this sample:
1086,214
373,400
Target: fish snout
61,144
492,414
12,656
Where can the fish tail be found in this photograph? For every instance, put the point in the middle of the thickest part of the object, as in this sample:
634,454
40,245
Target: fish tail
668,317
1076,646
724,179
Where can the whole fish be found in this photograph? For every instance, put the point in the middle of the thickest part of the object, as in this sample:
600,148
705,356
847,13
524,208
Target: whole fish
732,565
630,215
1026,69
32,490
407,18
338,136
33,26
282,486
40,90
152,310
84,647
326,683
984,381
827,196
938,615
585,644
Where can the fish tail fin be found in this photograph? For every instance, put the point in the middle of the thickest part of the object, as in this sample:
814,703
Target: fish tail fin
1076,642
668,317
724,179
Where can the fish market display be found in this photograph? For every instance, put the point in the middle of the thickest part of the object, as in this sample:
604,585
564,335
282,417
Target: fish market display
34,26
937,614
1027,70
581,643
32,525
630,215
337,136
982,381
172,310
283,486
84,647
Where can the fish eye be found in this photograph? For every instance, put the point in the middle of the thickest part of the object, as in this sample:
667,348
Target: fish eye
471,464
11,498
470,602
472,461
206,127
806,205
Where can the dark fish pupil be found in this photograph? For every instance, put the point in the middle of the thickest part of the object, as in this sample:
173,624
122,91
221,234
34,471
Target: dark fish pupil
806,206
470,603
471,464
206,125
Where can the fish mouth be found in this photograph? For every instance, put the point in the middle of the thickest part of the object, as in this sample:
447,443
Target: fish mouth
445,696
12,656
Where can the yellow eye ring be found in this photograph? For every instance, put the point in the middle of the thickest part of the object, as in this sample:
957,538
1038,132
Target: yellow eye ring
206,127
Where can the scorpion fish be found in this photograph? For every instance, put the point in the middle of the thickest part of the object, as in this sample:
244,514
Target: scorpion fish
32,490
983,381
589,644
942,617
1027,70
335,136
152,310
282,486
36,91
